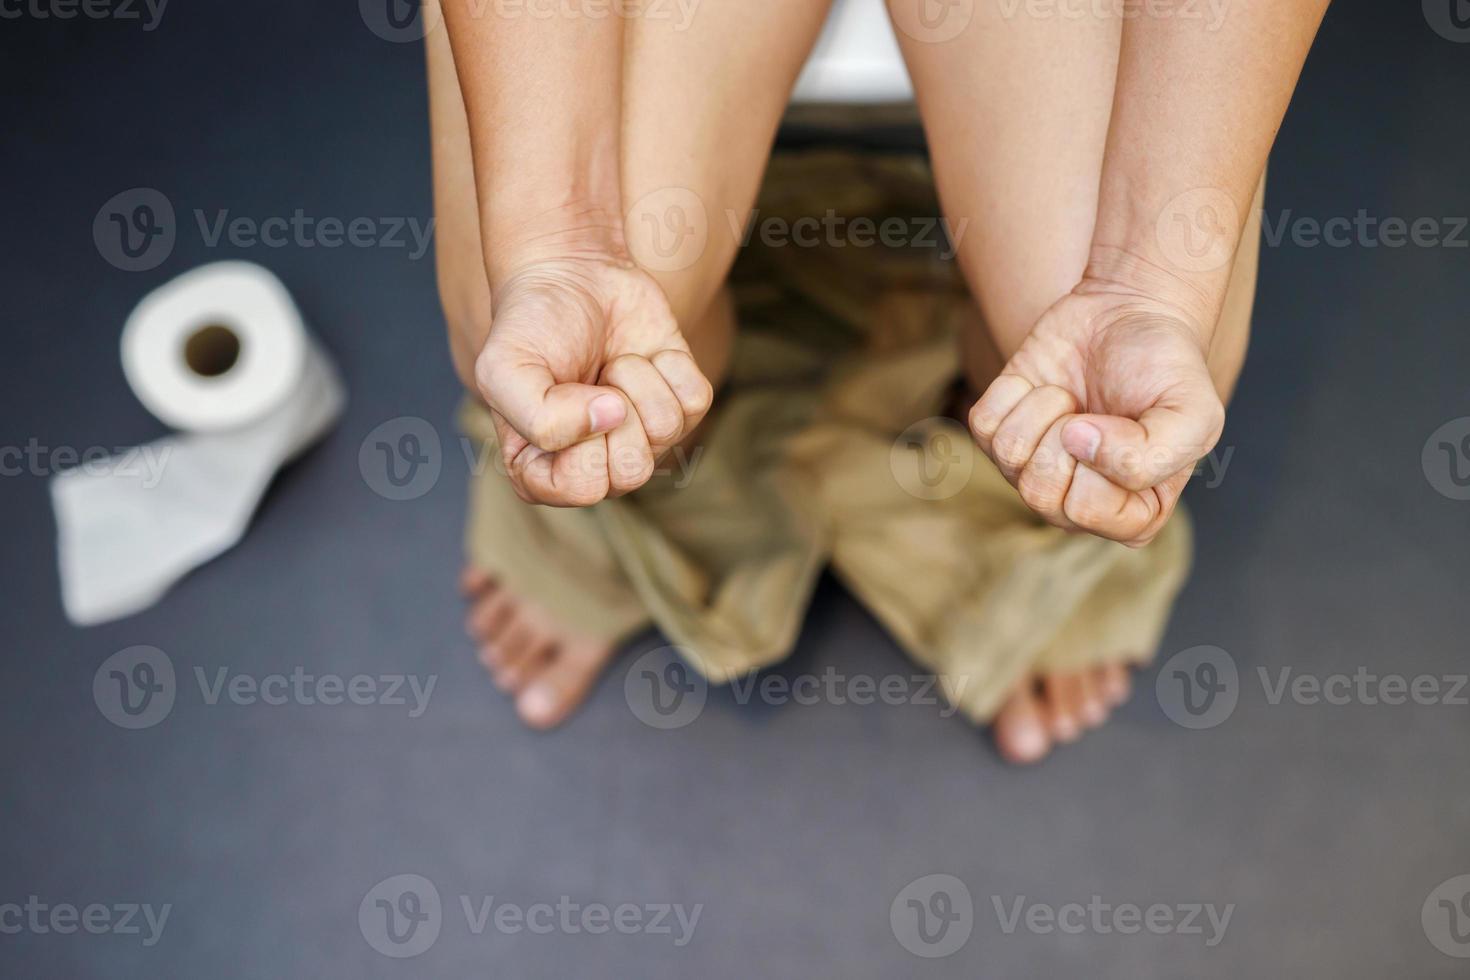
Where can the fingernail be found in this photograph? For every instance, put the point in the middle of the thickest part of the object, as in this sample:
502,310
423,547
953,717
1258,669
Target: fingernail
606,412
1081,439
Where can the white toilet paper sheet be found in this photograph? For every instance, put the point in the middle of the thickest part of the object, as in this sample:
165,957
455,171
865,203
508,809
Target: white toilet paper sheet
127,533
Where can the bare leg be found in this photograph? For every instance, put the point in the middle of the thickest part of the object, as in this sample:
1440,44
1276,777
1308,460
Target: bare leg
1017,112
701,105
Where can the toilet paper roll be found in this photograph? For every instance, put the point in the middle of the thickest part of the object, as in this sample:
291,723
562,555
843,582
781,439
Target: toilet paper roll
221,353
214,349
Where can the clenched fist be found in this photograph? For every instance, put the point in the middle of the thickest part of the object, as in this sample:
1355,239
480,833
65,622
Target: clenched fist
1101,415
587,377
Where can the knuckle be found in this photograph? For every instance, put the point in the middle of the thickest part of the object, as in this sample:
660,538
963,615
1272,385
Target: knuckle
630,469
1040,495
1216,423
505,464
1217,407
1010,451
1085,513
584,498
982,422
544,434
583,477
546,496
701,398
583,493
484,372
1057,397
662,423
1126,531
692,389
619,370
1059,520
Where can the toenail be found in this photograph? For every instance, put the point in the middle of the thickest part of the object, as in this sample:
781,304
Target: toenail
1029,742
538,701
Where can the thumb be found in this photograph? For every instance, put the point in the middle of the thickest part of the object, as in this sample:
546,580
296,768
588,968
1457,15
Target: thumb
1136,455
548,415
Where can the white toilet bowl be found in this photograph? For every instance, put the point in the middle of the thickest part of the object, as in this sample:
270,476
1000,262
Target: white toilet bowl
856,60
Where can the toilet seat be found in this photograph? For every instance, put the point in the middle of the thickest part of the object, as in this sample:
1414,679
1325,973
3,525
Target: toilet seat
856,59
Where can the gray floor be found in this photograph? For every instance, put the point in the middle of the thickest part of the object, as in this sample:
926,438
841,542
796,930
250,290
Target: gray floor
1325,549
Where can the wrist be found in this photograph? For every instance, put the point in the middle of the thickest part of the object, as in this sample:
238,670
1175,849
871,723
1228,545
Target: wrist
1195,300
1178,246
562,201
516,238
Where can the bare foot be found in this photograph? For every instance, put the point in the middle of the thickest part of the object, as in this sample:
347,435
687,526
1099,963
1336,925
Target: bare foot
1057,709
548,670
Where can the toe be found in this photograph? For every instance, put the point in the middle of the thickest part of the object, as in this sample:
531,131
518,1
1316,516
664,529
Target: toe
517,637
561,684
489,656
1092,709
473,581
488,614
513,677
517,644
1063,694
1115,684
1020,728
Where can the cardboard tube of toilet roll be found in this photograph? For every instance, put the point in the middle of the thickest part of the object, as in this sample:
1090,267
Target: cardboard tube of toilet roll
216,348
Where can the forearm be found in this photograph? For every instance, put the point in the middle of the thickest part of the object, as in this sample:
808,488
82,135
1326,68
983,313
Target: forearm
1196,109
543,99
